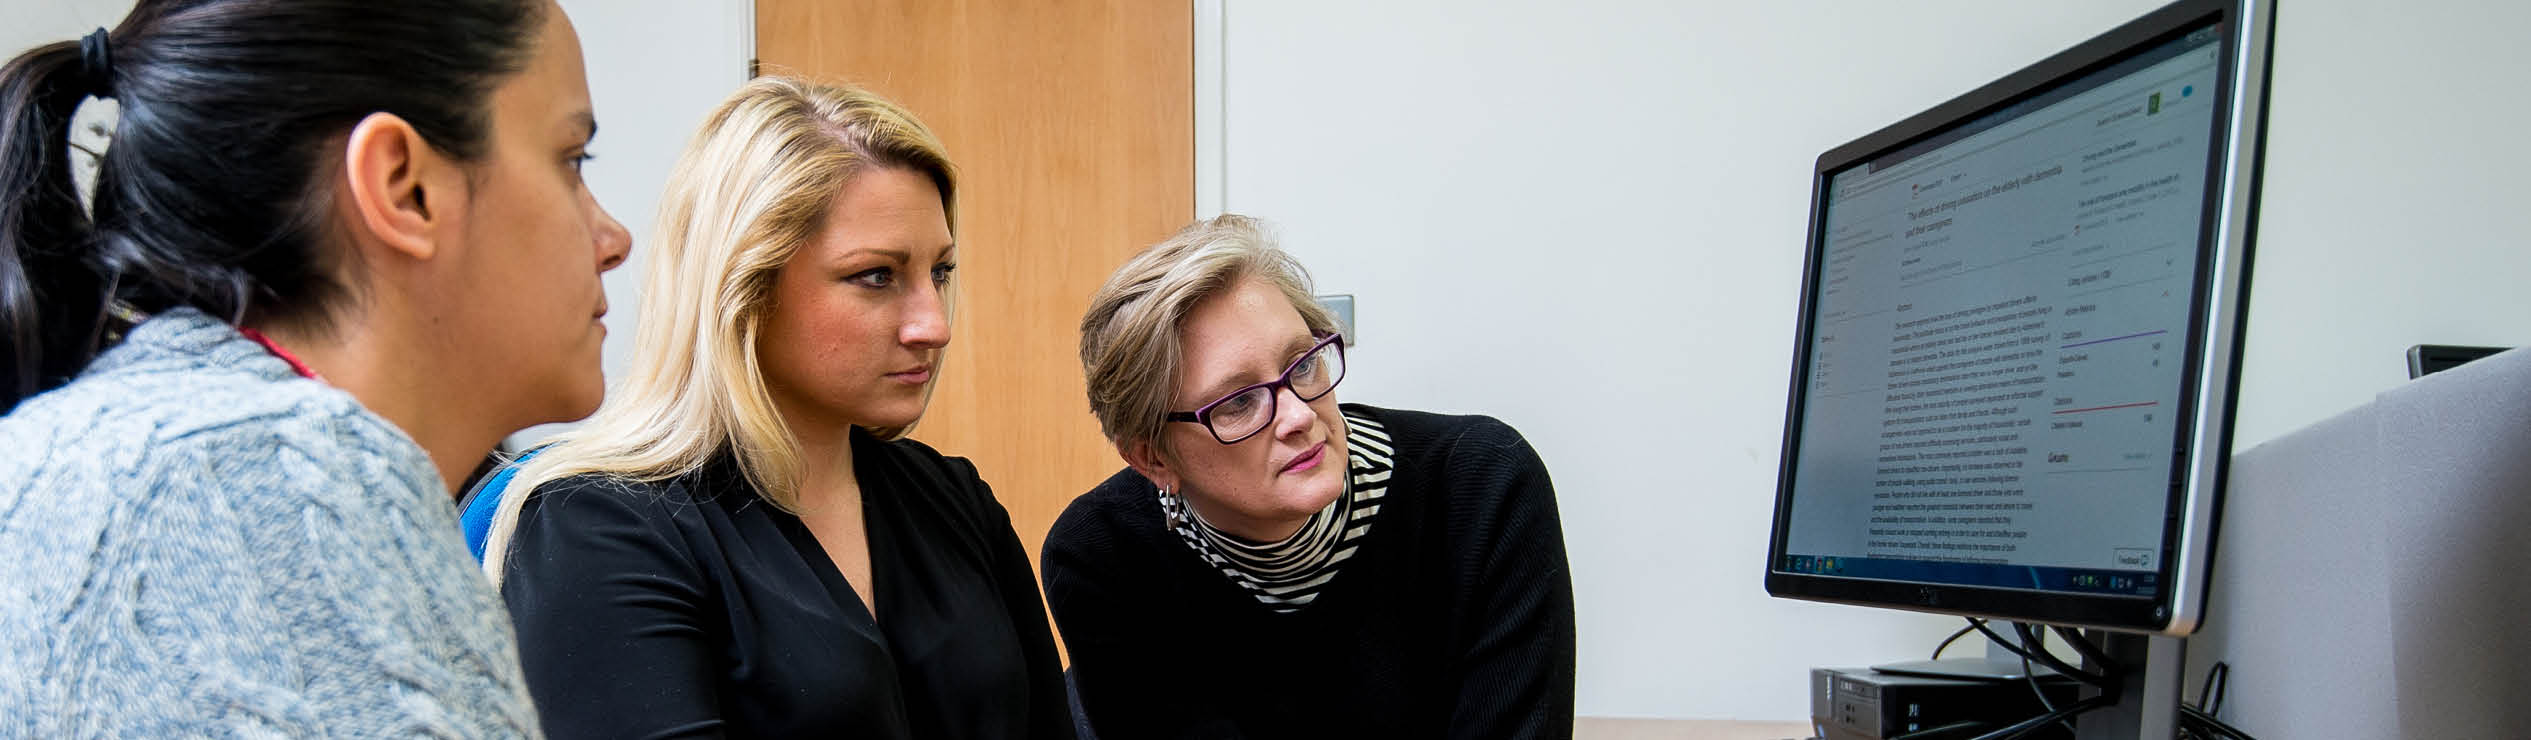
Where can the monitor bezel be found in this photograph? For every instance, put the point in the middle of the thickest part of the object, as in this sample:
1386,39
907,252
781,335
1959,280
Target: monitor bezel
2202,438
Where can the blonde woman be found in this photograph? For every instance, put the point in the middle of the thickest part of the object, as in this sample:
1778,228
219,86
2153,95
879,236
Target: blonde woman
741,542
1273,565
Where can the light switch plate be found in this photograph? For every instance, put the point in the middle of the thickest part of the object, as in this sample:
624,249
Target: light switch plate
1342,306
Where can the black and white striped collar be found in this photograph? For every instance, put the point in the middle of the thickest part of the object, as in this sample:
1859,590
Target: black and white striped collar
1288,575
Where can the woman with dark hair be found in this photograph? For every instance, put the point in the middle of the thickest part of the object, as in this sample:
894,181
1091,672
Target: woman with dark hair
337,250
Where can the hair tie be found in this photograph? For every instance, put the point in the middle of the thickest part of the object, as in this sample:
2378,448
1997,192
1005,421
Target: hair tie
96,63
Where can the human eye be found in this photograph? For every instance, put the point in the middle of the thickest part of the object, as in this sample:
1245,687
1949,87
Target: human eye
1239,405
1308,368
941,273
876,277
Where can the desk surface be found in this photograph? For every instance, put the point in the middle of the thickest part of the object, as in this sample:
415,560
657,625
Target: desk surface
1609,728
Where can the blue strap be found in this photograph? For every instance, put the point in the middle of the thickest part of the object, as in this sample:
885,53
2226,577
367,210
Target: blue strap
485,501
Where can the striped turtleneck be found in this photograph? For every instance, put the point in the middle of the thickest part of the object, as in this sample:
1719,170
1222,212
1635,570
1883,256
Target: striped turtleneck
1287,575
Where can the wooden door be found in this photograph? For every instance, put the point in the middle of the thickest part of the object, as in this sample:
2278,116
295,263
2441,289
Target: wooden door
1071,123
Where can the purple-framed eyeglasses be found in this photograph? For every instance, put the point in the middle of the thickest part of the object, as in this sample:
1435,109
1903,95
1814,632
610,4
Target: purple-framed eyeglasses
1244,412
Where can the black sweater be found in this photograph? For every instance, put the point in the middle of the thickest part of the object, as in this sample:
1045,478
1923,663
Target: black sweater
1455,619
691,608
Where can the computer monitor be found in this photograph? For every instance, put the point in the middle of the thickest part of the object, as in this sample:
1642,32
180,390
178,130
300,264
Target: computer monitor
2021,316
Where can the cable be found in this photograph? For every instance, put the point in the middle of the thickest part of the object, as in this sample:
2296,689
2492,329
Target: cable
2219,727
2216,676
2027,726
2194,721
2044,659
2033,678
2199,721
2206,724
2108,682
2091,652
1955,636
1930,732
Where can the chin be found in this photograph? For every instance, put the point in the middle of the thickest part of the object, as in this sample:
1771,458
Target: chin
582,407
1307,496
578,397
569,407
895,418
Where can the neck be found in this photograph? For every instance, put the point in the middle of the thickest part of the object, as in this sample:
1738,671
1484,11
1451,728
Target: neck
1254,530
826,472
390,375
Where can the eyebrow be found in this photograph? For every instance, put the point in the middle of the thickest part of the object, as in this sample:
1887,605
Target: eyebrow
899,256
1216,391
902,256
588,122
1292,351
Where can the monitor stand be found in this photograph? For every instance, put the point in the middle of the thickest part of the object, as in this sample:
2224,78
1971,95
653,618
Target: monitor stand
2148,704
2000,663
1966,669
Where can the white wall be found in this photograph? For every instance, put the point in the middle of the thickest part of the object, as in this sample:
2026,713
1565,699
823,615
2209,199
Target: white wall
656,67
2395,211
33,23
1587,219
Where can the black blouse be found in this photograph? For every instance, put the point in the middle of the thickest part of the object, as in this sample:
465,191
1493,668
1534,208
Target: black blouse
1453,620
691,607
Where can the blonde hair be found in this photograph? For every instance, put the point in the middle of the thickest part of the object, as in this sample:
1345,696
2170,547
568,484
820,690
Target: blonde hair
1130,354
752,187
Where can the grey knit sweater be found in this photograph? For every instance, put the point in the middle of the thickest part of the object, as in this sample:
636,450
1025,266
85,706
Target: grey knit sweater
195,541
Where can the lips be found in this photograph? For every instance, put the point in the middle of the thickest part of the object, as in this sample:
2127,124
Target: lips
1307,460
914,376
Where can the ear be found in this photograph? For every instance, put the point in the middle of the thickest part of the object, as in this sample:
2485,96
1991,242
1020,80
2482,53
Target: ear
1146,459
395,179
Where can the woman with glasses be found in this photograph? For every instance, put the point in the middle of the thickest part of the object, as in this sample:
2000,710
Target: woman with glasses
1272,564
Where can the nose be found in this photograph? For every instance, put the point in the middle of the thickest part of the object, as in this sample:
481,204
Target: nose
1291,414
926,318
614,242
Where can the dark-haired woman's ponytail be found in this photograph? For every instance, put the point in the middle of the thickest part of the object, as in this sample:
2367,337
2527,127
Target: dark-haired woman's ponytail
52,300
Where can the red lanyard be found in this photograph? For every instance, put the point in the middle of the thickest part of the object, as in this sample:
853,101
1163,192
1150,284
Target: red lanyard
269,346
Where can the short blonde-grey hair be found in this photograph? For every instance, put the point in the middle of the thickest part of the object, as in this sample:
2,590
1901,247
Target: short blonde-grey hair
1130,354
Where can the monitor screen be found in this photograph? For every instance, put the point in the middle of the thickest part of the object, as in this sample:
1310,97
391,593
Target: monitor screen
2016,344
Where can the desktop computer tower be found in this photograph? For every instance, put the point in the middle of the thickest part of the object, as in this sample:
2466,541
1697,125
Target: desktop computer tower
1864,704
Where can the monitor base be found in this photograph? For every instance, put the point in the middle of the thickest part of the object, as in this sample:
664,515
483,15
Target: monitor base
1966,669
